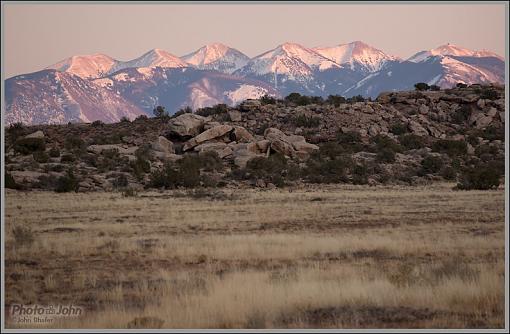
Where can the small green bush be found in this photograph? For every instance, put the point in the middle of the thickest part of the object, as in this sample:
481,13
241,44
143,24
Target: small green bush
266,99
54,152
67,183
41,156
411,141
67,158
9,182
431,164
120,181
336,100
306,121
399,128
215,110
453,148
29,145
385,155
420,86
74,142
481,177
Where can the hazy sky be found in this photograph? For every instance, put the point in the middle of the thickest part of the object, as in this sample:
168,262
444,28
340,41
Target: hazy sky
36,36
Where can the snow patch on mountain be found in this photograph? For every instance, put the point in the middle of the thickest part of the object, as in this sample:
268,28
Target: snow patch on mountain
357,53
153,58
245,92
217,57
86,66
451,50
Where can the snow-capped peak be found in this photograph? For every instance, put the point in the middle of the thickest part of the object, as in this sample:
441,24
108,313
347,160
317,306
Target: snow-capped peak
217,56
452,50
86,66
356,52
292,59
153,58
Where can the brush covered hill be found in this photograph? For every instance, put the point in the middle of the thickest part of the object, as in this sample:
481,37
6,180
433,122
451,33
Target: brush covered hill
408,137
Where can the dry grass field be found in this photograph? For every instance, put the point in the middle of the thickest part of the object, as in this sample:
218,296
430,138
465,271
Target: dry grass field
338,257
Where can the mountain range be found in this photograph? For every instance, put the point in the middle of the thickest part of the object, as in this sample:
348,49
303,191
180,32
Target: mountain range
99,87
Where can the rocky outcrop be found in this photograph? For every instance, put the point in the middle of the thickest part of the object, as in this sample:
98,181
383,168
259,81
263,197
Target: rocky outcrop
292,146
208,135
38,134
186,125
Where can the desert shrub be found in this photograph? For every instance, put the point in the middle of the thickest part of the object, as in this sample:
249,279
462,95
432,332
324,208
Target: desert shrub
16,130
382,142
336,100
41,156
9,182
29,145
210,161
97,123
449,173
351,141
487,150
160,112
360,174
421,86
67,183
435,88
306,121
214,110
327,170
266,99
129,192
431,164
261,166
462,114
329,150
302,100
399,128
481,177
22,235
453,148
67,158
489,94
74,142
385,155
461,85
140,167
493,133
115,137
354,99
182,111
54,152
120,181
124,119
184,173
141,118
411,141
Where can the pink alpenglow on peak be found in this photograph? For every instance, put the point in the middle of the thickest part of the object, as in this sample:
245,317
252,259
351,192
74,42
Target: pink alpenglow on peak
452,50
86,66
217,56
357,53
151,59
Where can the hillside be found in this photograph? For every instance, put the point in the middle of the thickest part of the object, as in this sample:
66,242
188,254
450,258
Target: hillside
410,137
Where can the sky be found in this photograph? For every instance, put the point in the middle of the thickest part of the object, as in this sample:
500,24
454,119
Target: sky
36,36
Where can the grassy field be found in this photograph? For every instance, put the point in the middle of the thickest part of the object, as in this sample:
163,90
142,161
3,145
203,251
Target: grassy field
334,257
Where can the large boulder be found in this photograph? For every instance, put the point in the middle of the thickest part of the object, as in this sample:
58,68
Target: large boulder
186,125
292,146
163,145
235,115
98,149
417,128
242,135
220,148
213,133
38,134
